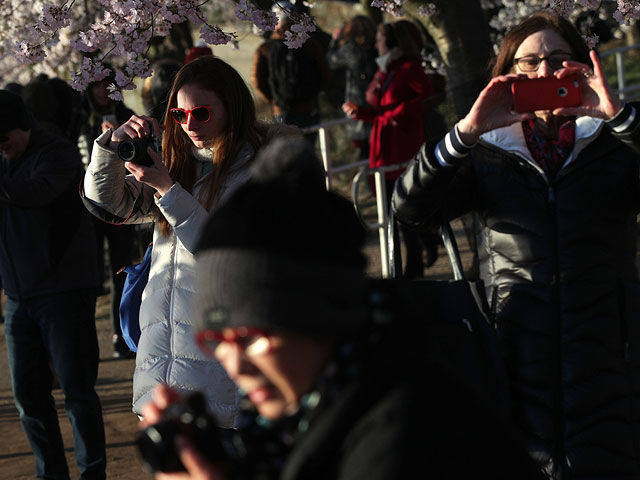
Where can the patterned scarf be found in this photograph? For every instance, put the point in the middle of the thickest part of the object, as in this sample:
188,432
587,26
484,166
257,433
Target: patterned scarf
550,155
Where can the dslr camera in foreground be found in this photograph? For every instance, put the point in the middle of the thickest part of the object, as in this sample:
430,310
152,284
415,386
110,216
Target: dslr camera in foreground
252,450
189,418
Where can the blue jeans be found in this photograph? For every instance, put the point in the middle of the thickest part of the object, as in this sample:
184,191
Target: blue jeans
57,330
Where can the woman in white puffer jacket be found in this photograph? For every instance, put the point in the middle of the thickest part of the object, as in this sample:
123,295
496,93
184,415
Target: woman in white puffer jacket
210,137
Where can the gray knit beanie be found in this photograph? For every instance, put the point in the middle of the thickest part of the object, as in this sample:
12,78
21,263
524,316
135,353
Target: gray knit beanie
283,253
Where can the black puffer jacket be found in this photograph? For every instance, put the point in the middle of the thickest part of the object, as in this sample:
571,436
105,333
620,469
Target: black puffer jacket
558,260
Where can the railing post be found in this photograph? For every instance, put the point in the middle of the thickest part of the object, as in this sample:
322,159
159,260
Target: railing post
324,153
620,69
383,218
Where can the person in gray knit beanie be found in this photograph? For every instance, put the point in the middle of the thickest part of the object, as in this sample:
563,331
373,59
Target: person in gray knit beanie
337,381
283,236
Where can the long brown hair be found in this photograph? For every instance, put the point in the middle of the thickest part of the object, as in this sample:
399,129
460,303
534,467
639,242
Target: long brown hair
210,73
542,20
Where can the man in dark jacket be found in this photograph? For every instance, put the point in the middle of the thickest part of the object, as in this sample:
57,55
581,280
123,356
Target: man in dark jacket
290,79
337,378
47,266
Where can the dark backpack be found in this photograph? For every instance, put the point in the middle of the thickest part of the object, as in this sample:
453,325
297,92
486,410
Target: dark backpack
293,74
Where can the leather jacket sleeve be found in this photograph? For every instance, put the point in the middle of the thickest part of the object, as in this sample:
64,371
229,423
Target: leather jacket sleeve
426,189
626,126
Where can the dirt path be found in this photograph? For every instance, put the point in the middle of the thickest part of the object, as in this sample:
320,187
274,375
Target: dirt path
114,387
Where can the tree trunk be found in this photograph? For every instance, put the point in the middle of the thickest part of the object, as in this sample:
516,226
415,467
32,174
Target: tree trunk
460,31
632,33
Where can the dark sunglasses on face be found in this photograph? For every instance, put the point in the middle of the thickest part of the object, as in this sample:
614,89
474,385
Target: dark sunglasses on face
200,114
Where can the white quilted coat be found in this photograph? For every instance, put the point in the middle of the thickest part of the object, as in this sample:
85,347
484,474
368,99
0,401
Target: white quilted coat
167,351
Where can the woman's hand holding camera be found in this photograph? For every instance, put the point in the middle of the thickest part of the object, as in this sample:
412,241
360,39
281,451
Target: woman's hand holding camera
597,98
138,126
156,175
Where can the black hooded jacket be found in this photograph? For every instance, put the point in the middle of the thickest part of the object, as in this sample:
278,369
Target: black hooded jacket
47,241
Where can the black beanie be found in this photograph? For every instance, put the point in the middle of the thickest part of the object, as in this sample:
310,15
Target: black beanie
15,112
283,253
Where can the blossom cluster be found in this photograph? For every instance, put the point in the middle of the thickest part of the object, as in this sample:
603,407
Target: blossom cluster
70,38
393,7
628,10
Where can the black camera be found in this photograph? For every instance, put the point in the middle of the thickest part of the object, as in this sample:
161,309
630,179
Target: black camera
189,418
135,150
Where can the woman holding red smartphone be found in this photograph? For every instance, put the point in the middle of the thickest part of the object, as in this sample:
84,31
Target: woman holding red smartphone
555,194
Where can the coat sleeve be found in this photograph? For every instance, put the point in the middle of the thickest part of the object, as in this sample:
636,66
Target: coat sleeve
184,213
430,186
626,126
53,171
108,185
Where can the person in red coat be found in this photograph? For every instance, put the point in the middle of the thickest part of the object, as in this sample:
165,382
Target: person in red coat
395,100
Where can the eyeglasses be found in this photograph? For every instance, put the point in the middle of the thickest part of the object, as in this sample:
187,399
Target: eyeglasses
252,341
200,114
531,63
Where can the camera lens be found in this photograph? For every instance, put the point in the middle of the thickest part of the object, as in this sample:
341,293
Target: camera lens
127,150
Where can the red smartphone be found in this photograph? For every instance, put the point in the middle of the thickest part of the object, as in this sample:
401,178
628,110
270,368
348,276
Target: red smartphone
546,93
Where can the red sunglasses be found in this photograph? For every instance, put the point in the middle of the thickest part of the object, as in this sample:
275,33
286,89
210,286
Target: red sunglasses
201,114
243,337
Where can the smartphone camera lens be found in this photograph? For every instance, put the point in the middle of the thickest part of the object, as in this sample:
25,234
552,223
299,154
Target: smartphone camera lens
562,92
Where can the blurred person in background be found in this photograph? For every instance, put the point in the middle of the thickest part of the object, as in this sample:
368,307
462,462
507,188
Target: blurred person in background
394,106
156,88
290,79
352,49
196,51
102,113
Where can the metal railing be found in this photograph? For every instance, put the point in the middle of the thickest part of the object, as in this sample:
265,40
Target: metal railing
325,156
380,192
623,90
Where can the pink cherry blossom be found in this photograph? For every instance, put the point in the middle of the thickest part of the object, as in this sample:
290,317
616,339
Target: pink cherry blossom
58,36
